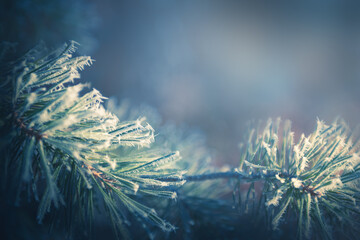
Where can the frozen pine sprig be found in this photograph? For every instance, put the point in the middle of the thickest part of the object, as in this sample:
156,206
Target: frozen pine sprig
194,197
59,133
314,179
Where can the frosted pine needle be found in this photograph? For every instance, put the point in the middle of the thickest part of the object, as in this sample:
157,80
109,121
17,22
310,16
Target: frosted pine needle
60,130
322,167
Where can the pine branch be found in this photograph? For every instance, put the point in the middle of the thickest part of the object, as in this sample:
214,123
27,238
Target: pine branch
59,134
223,175
316,180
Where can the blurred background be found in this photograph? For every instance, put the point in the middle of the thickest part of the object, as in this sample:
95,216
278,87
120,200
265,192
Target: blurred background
212,65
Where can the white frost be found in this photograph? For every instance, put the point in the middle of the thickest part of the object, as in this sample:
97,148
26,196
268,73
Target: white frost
282,180
296,182
275,200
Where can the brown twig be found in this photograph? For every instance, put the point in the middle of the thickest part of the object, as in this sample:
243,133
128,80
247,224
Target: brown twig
28,131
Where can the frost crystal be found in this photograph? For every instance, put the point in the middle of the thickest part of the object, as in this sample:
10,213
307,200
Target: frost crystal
275,200
282,180
296,182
